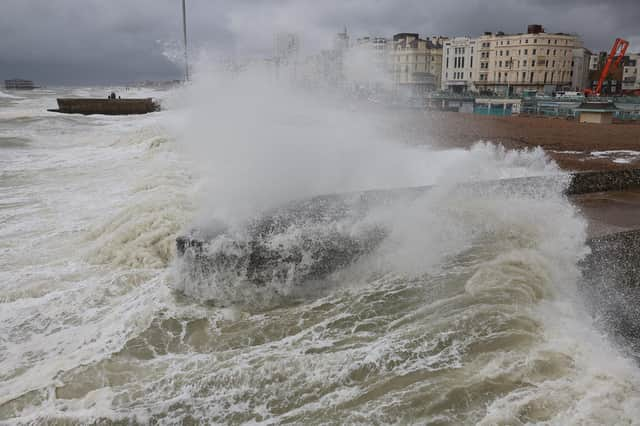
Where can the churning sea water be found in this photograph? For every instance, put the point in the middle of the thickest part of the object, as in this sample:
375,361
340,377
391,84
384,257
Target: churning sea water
468,312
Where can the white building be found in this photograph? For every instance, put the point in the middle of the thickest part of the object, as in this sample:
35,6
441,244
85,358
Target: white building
459,65
631,73
511,63
368,62
580,69
416,63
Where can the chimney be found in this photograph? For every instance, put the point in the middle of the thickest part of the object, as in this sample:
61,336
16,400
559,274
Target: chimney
535,29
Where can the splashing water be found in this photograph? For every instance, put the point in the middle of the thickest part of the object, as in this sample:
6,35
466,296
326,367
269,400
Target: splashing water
468,311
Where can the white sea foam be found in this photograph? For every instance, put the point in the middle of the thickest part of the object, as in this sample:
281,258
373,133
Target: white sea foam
4,95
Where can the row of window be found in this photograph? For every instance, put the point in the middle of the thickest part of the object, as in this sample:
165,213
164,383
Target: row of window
501,77
414,68
526,52
523,63
540,41
458,62
518,64
458,75
486,55
416,58
547,78
458,50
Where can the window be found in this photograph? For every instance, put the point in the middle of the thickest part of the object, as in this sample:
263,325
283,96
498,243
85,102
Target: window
524,76
548,51
531,78
533,52
554,52
500,64
524,63
526,51
506,53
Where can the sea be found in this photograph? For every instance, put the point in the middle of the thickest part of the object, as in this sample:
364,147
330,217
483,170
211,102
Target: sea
468,313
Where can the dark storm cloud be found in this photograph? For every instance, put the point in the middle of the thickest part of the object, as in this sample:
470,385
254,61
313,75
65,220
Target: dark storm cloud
91,41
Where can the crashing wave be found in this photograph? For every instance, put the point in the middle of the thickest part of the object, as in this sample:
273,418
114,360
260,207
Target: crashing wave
303,242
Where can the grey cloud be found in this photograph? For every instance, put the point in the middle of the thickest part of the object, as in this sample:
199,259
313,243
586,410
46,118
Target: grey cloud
94,41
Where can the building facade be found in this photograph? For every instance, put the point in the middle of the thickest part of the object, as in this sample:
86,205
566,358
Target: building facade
416,63
580,69
286,46
368,62
631,73
510,64
459,65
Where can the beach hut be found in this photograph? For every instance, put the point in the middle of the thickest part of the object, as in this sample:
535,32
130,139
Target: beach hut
596,112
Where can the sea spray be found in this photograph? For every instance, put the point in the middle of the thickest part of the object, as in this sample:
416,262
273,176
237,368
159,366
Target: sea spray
467,313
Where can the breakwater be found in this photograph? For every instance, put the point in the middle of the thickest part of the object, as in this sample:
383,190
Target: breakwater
88,106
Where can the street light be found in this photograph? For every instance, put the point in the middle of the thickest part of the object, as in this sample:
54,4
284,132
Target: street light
184,30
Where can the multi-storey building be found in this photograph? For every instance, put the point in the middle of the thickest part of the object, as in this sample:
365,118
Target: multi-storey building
594,62
511,63
375,43
368,62
341,41
286,46
459,65
416,63
613,81
631,73
580,69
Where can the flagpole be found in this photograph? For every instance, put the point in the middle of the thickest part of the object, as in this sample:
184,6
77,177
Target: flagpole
184,29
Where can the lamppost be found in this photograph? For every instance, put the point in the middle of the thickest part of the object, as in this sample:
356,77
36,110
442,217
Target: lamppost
510,65
184,31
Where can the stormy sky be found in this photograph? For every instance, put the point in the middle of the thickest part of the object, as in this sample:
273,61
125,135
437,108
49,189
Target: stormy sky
119,41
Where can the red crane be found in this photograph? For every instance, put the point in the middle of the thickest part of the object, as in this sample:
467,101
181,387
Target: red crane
615,57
